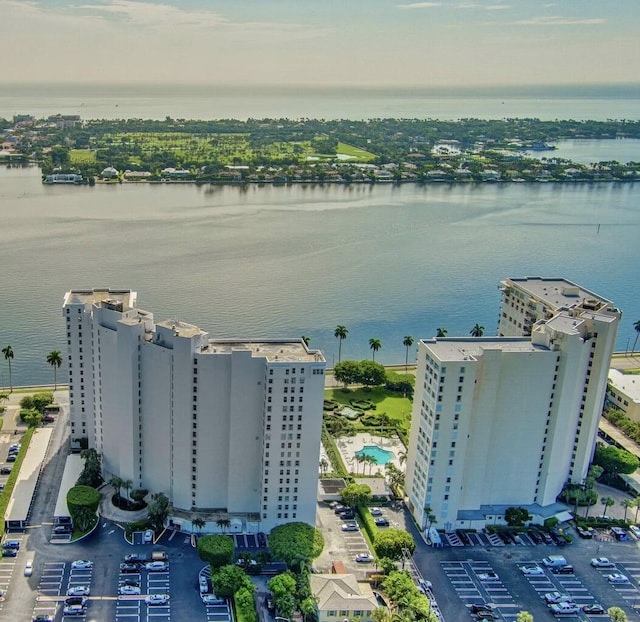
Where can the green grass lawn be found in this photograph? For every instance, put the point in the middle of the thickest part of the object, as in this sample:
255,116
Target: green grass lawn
355,152
82,156
398,408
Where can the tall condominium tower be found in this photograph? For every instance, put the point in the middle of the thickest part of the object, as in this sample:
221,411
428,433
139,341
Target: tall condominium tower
226,429
507,421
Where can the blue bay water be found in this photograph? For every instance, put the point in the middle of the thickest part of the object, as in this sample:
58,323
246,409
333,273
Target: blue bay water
385,261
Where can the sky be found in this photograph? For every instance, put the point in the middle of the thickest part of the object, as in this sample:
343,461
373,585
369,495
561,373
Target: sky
322,42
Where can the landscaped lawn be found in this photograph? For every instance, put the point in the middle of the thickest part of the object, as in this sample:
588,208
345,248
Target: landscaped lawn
398,408
359,154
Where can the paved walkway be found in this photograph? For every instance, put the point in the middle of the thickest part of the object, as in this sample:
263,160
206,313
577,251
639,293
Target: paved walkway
111,512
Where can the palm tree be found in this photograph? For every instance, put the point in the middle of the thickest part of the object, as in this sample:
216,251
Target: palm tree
340,333
361,459
626,504
8,355
116,483
223,523
198,522
372,461
636,327
402,457
324,465
54,358
607,502
127,485
477,331
407,342
636,504
307,340
442,332
375,345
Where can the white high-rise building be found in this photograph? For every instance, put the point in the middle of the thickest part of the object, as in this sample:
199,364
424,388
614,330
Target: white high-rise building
507,421
226,429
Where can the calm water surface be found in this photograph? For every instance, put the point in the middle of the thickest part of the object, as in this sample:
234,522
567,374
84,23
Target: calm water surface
385,261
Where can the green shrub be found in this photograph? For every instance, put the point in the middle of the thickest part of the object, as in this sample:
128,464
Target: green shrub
83,496
139,525
329,405
216,549
295,542
367,521
245,606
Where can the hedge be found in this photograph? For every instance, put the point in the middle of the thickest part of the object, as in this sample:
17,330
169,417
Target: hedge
5,496
245,606
83,496
332,453
368,523
216,549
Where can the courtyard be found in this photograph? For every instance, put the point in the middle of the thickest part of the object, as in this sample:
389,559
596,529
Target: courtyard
383,450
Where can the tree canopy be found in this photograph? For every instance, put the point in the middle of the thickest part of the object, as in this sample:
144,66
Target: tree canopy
614,460
364,372
354,494
392,542
516,517
230,579
294,543
216,549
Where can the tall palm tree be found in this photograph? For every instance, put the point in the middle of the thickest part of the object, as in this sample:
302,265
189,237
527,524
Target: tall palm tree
340,333
8,355
54,358
127,485
477,331
607,502
223,523
324,465
636,327
116,483
198,522
441,332
307,340
626,504
636,505
407,342
375,345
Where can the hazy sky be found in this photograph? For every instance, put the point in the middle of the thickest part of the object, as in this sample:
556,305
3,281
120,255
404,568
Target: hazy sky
359,42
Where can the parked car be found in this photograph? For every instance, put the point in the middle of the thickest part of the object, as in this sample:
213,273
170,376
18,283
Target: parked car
135,557
486,615
212,599
28,568
62,529
9,552
350,527
43,617
5,470
365,558
464,538
381,522
339,508
478,608
79,590
594,609
203,584
585,533
11,544
564,608
620,534
129,567
488,576
128,590
12,457
157,599
375,511
262,539
602,562
556,597
424,586
81,564
531,569
618,577
568,569
156,566
635,530
74,610
348,514
76,600
148,536
535,535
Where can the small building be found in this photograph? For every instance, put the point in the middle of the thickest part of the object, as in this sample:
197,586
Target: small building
623,393
109,173
341,597
63,178
72,469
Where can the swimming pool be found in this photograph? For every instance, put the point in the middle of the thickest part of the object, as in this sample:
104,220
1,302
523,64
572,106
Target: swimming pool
381,455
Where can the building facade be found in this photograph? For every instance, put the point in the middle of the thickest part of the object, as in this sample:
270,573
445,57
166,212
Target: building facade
623,393
228,430
507,421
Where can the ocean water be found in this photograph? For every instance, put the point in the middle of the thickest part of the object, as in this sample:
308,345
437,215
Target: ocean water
109,101
385,261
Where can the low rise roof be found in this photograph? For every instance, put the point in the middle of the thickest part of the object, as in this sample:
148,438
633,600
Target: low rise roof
342,592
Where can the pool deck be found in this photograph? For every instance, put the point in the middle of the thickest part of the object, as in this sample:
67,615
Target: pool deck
349,445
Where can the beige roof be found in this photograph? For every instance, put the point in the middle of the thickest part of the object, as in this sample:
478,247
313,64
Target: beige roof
342,592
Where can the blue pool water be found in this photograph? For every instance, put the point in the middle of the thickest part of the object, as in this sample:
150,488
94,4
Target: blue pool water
381,455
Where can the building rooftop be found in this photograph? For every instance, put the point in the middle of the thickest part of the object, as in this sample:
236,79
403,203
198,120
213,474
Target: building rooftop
629,384
470,348
273,350
124,297
181,329
342,592
557,293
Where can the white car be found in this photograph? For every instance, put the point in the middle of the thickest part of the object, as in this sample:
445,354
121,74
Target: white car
616,577
81,564
601,562
28,568
350,527
531,570
365,558
128,590
375,511
635,530
157,599
212,599
488,576
555,597
156,566
74,610
79,590
564,608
